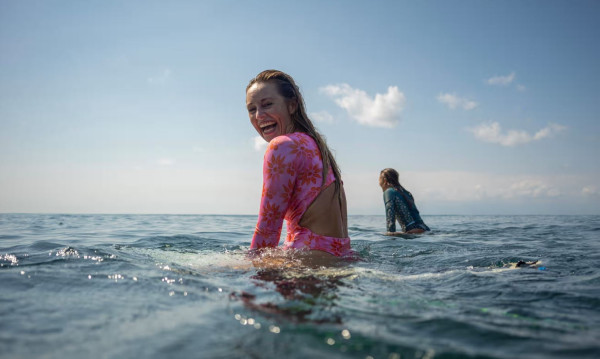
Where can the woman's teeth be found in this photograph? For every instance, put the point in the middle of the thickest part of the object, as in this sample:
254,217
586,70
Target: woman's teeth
268,128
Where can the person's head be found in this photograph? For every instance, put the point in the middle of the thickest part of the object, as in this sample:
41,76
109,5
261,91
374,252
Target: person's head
389,177
270,111
276,107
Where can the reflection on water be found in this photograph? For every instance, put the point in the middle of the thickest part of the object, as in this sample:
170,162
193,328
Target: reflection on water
306,280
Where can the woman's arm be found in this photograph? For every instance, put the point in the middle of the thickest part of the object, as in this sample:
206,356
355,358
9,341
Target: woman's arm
278,184
390,214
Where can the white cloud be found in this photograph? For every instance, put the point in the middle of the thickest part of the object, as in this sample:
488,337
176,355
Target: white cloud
322,116
590,191
161,78
501,80
493,133
548,131
381,111
453,101
521,88
259,143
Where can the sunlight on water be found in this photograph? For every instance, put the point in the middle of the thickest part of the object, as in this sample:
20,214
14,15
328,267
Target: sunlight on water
10,258
205,261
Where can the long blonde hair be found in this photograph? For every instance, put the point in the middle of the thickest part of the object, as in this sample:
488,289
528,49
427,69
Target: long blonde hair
290,91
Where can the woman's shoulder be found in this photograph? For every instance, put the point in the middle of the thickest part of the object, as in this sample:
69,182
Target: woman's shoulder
390,191
290,140
280,142
301,138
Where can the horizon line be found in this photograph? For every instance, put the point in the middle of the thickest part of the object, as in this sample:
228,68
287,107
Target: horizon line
240,214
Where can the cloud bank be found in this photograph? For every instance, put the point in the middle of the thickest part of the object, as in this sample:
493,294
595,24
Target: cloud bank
383,110
492,133
472,186
453,101
466,192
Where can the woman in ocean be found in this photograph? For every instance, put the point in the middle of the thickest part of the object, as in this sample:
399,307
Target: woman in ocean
399,205
301,179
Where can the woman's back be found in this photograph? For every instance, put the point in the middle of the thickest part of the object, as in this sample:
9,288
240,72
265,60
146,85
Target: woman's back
293,189
400,206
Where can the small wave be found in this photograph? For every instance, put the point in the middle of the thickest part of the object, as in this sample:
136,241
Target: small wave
398,277
10,236
183,243
363,230
202,261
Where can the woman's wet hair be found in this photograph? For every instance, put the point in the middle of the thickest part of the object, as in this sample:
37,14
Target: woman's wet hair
392,177
290,91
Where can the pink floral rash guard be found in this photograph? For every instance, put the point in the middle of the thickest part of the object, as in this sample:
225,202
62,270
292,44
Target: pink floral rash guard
292,178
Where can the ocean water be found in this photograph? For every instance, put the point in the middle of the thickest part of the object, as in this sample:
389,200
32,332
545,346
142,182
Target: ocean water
170,286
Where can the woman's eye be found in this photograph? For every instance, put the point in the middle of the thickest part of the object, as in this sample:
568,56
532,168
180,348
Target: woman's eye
267,104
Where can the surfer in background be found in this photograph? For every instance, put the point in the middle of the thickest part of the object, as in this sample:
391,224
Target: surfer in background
301,179
399,205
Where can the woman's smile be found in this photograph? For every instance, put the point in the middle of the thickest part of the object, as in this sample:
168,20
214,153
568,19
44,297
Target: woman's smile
269,112
267,127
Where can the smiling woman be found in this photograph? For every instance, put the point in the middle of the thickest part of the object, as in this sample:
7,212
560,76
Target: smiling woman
301,180
269,111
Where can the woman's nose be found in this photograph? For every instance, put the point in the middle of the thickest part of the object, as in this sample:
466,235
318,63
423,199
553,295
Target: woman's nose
260,113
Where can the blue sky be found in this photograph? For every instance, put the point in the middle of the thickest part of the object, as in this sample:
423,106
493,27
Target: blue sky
139,106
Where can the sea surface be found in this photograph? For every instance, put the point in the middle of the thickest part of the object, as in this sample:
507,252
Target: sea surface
183,286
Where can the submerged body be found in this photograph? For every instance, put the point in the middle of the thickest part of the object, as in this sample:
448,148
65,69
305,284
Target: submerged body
294,190
400,206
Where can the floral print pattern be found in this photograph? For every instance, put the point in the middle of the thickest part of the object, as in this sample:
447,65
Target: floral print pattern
292,177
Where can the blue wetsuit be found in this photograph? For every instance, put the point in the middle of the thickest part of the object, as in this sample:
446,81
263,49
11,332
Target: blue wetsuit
400,205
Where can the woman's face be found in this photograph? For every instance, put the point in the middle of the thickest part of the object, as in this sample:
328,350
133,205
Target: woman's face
270,113
382,182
